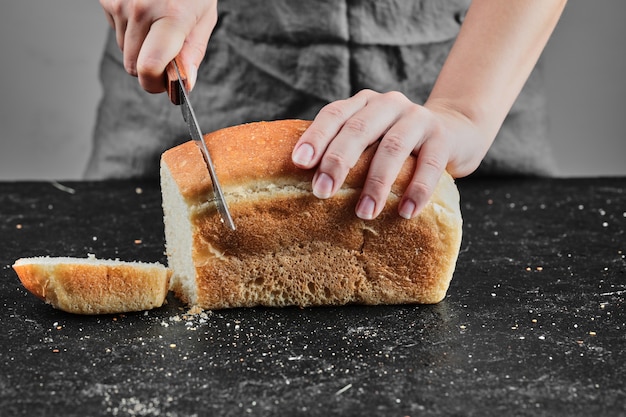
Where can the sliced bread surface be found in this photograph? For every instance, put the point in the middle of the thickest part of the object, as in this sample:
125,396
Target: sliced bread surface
94,286
291,248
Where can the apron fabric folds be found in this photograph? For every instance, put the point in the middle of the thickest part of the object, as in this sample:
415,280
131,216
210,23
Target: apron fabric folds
279,59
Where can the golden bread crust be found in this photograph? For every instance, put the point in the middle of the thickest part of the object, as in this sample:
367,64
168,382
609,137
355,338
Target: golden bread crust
291,248
94,288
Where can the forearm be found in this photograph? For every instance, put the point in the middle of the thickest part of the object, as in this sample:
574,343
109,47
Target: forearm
497,48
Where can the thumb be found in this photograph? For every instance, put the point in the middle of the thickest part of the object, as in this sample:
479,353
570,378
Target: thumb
195,45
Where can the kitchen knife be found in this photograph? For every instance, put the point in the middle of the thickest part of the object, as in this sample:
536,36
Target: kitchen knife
179,95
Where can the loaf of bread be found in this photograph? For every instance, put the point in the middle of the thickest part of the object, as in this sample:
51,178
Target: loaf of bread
94,286
291,248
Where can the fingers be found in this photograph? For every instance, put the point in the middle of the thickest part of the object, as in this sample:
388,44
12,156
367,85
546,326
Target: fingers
341,132
161,45
339,135
310,148
134,33
195,45
394,148
432,160
152,33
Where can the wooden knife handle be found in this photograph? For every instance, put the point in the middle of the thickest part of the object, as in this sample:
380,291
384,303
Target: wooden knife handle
172,81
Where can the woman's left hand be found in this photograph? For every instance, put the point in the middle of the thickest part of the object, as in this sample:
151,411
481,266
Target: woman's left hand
439,136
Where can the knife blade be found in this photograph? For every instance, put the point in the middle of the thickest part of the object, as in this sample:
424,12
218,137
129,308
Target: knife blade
179,95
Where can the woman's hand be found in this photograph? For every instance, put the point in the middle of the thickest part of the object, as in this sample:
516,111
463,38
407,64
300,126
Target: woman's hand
495,51
153,32
439,136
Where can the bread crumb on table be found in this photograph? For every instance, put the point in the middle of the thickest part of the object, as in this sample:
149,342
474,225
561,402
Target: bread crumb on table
195,310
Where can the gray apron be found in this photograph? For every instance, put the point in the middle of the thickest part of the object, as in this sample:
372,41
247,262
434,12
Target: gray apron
278,59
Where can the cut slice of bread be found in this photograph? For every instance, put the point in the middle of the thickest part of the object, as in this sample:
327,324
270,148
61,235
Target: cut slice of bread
94,286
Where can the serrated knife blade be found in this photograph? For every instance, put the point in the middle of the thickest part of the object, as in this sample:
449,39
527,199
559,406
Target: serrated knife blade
179,95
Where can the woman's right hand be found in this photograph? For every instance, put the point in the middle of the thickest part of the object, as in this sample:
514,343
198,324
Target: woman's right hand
151,33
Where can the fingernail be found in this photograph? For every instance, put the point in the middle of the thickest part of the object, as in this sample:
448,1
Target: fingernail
365,208
323,186
407,208
192,73
303,155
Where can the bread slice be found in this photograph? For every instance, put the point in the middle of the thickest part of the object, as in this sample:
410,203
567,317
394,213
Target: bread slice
291,248
94,286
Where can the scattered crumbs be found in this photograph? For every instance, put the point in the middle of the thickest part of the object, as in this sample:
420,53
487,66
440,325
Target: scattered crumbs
94,238
50,207
495,233
18,226
490,201
592,333
602,212
624,214
528,269
581,207
539,268
605,224
522,337
534,321
542,206
173,345
133,406
542,337
138,241
138,190
195,310
463,327
55,350
493,294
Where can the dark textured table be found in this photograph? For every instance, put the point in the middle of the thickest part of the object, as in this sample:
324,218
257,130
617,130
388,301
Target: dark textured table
533,323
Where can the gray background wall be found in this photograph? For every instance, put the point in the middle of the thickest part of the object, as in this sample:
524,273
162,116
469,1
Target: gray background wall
49,87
